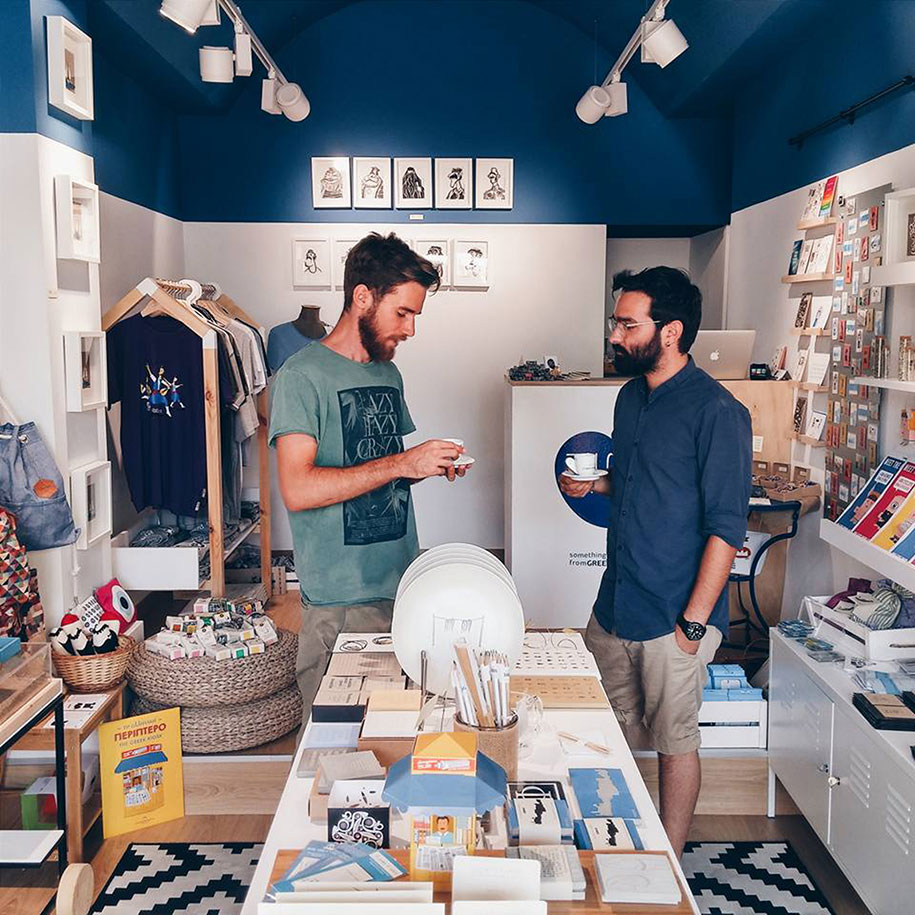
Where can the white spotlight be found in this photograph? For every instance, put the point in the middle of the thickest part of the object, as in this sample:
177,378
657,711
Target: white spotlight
619,99
189,14
593,104
268,96
662,42
217,65
244,62
292,101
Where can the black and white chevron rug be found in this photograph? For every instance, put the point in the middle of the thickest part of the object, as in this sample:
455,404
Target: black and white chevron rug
172,877
750,878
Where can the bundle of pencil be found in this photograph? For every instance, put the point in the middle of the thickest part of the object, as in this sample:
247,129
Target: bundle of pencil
480,682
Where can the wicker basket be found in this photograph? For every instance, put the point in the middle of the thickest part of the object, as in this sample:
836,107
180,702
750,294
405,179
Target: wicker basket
206,683
224,729
95,673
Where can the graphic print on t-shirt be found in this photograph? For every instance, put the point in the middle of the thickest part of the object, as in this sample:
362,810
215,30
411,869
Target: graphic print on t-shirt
160,394
370,418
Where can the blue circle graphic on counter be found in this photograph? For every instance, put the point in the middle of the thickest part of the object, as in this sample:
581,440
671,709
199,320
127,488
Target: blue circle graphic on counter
593,508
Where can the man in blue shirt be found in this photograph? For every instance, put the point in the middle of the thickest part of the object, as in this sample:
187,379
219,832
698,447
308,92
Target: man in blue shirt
679,493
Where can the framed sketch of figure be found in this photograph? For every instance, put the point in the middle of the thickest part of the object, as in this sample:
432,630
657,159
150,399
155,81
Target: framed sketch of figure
413,184
471,264
311,264
453,184
438,253
330,184
495,179
372,183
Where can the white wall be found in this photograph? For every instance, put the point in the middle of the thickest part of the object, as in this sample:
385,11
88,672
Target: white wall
638,253
708,269
546,296
759,250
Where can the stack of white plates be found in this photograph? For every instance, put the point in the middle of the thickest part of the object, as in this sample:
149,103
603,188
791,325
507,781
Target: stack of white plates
454,591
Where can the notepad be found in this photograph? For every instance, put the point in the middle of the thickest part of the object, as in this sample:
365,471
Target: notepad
635,878
359,765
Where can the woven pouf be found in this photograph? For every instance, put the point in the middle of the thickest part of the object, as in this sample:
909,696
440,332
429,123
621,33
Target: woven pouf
206,683
222,729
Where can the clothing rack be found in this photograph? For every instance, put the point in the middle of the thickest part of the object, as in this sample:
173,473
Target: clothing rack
175,298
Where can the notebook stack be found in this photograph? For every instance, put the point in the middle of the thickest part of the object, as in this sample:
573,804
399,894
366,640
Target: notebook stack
608,812
537,813
561,874
642,879
886,712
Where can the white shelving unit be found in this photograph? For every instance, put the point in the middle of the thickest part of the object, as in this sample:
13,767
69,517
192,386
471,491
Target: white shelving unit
894,568
889,384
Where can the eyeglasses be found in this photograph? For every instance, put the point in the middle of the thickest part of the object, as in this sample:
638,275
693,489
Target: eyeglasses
615,324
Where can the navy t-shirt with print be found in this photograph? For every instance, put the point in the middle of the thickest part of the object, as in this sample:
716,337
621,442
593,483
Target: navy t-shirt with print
155,371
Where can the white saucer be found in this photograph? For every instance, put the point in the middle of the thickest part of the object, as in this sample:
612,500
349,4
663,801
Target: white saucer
585,477
464,460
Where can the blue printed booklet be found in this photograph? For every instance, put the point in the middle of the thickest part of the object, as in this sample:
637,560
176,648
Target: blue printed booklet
345,861
603,793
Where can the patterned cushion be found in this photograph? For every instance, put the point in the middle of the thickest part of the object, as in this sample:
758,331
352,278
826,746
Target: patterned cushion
878,610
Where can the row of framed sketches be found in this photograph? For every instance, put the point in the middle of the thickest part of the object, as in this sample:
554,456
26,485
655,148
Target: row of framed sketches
367,183
317,263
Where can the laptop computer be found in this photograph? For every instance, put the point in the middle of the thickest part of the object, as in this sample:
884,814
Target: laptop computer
724,354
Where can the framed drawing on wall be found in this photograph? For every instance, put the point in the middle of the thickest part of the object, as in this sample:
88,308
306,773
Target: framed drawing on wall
76,205
90,499
495,180
371,183
85,371
342,248
69,68
453,184
471,264
330,184
438,253
311,268
412,184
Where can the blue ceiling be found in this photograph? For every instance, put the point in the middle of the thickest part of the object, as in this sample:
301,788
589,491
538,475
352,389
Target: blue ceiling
730,42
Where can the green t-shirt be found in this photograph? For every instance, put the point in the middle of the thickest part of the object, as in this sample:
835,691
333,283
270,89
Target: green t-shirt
356,551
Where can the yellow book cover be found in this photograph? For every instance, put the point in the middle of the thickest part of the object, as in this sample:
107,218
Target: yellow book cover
897,526
142,778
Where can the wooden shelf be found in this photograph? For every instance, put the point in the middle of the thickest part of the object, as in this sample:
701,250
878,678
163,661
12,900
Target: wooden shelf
889,384
901,274
809,278
817,223
880,560
807,440
808,386
811,331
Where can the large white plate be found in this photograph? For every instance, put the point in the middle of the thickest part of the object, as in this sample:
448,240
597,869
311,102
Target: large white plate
502,576
455,553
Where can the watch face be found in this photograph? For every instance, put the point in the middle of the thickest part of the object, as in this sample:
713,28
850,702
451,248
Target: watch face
692,630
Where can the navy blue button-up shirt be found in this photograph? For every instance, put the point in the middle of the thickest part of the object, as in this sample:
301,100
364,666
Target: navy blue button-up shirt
682,459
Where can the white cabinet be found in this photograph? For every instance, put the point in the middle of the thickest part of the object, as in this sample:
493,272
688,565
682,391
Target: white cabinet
800,736
854,784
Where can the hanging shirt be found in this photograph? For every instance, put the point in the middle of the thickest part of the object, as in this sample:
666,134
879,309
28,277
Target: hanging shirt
355,551
284,341
155,371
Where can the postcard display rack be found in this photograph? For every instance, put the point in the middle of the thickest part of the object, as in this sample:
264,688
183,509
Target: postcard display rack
857,331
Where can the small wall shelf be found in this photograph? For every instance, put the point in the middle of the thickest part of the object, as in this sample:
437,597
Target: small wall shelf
816,223
808,278
808,386
810,331
890,384
894,568
808,440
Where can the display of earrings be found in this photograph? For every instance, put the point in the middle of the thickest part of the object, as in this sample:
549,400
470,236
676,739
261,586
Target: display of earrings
881,357
906,368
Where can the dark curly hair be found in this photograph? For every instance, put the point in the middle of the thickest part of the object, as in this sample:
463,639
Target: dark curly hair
382,263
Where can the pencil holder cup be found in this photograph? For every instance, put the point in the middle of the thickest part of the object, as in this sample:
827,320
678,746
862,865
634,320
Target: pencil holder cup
499,744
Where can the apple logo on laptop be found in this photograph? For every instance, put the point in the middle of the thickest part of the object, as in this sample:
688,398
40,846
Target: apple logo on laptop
714,355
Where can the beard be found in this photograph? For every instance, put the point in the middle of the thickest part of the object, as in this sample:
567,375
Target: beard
379,350
640,360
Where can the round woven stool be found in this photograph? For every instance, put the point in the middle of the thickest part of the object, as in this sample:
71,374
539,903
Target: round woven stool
222,729
206,683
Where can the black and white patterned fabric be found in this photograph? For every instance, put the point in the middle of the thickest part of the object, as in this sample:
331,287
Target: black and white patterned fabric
750,878
172,877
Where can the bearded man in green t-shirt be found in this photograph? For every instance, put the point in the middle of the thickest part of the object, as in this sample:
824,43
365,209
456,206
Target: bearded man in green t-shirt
337,420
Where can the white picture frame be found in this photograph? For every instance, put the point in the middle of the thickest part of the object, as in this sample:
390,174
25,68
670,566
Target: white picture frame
90,499
471,266
438,252
899,227
494,182
85,371
311,266
454,184
342,248
371,183
76,207
330,183
413,186
70,69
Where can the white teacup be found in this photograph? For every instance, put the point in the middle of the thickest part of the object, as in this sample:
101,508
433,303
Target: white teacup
455,441
582,464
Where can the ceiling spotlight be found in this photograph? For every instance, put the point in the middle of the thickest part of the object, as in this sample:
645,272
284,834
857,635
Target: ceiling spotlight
619,99
268,96
593,104
217,65
662,42
292,101
189,14
244,62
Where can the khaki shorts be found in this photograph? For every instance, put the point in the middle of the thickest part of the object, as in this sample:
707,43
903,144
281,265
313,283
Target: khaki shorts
655,687
320,628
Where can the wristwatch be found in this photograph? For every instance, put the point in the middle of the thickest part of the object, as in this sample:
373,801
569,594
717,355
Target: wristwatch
691,629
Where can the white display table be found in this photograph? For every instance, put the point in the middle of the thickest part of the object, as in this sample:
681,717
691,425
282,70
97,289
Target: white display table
291,827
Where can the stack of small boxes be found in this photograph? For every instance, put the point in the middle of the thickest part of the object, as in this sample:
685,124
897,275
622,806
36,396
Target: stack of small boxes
728,683
215,628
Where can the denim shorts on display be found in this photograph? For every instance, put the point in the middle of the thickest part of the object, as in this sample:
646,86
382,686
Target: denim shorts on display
32,489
